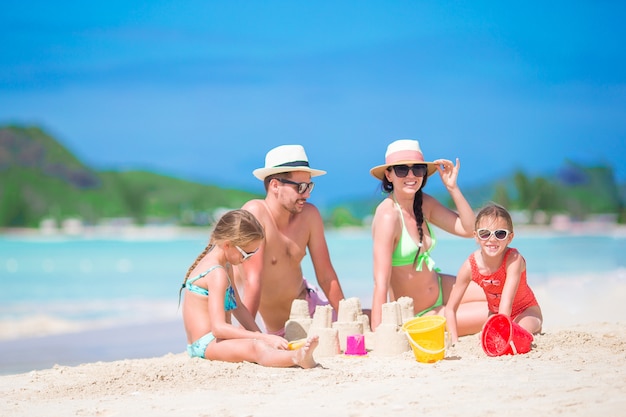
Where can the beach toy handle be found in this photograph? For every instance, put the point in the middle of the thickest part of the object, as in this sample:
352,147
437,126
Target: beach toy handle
423,349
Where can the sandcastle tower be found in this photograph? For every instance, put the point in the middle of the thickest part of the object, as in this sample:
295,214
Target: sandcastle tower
406,309
350,321
389,339
321,326
299,323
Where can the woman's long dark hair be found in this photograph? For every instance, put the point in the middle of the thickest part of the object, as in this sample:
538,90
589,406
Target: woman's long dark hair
387,187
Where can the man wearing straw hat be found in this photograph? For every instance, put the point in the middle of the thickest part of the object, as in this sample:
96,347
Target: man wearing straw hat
273,278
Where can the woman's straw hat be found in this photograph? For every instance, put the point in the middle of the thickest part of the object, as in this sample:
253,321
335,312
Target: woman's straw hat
286,158
402,152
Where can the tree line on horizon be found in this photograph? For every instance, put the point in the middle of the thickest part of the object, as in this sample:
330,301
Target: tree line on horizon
41,179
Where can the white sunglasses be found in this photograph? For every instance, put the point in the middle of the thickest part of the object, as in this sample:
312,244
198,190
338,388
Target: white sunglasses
245,254
485,234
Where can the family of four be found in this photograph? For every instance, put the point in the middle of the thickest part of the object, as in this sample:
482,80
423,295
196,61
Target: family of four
261,247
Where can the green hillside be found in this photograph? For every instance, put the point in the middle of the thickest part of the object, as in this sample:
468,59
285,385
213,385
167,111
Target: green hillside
39,178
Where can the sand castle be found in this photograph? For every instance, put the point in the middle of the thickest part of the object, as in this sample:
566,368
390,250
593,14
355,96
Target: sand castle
389,339
297,327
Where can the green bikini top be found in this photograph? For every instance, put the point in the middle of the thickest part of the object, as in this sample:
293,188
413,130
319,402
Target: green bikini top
405,251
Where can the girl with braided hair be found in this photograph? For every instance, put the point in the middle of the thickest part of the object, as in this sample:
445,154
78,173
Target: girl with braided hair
211,299
403,238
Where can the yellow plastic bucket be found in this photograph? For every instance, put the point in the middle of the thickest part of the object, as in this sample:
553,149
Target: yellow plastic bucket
427,337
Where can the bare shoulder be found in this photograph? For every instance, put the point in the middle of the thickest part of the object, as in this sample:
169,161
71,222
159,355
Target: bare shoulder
430,205
310,213
386,212
514,256
428,199
256,207
477,259
387,224
465,271
253,205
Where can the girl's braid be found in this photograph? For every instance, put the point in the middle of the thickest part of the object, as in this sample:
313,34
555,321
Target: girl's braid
419,219
204,252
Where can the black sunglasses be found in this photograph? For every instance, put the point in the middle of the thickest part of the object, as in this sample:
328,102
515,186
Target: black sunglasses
485,234
302,186
402,171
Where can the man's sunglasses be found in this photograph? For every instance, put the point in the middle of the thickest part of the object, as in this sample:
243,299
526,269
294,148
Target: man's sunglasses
402,171
245,254
302,186
485,234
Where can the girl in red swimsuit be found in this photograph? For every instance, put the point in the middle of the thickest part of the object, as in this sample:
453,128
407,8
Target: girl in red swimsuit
499,270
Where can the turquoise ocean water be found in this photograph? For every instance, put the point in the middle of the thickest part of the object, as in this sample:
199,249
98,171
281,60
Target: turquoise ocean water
120,281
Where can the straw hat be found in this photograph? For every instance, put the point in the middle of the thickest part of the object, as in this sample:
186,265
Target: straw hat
402,152
286,158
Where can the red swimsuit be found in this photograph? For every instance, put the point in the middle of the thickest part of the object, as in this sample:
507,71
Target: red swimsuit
494,283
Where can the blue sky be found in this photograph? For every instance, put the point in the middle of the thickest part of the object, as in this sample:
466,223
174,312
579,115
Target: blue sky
202,89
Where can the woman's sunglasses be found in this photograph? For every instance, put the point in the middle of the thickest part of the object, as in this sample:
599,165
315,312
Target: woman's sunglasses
485,234
402,171
245,254
302,186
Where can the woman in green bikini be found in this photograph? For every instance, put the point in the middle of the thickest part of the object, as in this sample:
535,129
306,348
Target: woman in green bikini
404,240
211,299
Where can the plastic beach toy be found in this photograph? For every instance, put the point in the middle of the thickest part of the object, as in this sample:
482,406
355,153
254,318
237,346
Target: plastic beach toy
296,344
427,337
355,345
501,336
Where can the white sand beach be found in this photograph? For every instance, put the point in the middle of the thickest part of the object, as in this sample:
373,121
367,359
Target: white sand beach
577,367
574,371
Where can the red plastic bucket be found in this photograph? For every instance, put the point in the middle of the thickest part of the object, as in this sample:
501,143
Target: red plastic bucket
502,336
